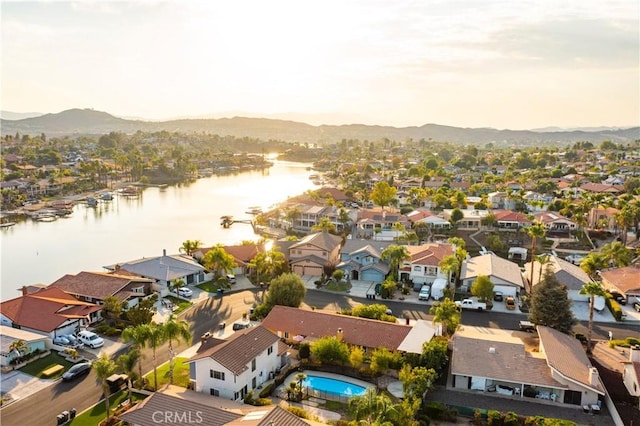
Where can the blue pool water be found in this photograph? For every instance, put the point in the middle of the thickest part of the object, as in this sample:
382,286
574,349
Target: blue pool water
333,386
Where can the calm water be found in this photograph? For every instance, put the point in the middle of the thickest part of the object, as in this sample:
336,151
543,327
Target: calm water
131,228
336,387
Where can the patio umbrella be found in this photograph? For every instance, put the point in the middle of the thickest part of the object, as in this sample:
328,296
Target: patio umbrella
298,338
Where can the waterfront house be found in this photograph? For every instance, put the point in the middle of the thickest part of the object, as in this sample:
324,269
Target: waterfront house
8,335
310,255
360,260
496,362
510,221
431,219
165,269
504,274
232,368
243,254
94,287
50,312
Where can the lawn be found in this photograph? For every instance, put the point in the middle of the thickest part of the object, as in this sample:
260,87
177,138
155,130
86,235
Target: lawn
180,304
210,286
97,413
36,368
341,286
180,374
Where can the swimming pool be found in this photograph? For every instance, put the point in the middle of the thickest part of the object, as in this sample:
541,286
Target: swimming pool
333,386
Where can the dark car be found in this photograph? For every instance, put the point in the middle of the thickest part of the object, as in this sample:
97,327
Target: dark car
636,306
241,325
498,296
76,371
618,297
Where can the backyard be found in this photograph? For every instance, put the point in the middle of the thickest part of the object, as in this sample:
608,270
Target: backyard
36,367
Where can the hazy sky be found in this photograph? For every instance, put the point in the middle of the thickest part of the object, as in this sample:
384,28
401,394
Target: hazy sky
470,63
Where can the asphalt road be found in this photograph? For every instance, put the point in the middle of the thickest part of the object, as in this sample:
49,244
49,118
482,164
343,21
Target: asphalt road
43,407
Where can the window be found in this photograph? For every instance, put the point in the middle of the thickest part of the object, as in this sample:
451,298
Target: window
219,375
138,290
417,268
286,334
253,365
214,392
269,350
253,383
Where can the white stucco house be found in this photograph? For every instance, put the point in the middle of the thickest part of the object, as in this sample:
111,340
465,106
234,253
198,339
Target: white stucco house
232,368
504,274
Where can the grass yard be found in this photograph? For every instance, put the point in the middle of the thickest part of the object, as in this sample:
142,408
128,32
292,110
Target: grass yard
180,304
180,374
36,368
341,286
210,286
97,413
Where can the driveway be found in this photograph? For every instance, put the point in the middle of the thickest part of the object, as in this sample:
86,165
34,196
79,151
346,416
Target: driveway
17,385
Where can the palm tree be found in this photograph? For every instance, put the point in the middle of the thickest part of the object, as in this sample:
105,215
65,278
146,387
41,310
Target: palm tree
535,231
155,337
373,409
543,260
448,265
104,367
138,337
593,289
395,255
190,246
616,254
176,284
324,225
593,263
219,261
127,362
446,313
20,347
175,329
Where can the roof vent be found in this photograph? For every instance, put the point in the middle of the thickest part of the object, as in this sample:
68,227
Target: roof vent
492,350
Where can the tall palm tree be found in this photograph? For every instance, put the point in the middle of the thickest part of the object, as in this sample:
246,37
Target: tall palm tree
592,264
104,367
155,337
446,313
448,265
176,284
616,254
395,255
543,260
535,231
593,289
324,225
190,246
373,409
20,347
138,337
175,329
219,261
127,362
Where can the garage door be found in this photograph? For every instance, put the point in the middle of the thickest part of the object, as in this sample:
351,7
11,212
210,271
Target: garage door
506,290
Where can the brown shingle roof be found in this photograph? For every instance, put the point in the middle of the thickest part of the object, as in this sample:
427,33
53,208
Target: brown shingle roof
565,354
240,349
98,285
46,309
315,325
626,280
322,240
269,416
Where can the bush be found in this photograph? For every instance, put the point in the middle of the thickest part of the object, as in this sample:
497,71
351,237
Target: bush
261,402
298,412
439,411
494,418
614,307
581,337
304,351
511,418
267,390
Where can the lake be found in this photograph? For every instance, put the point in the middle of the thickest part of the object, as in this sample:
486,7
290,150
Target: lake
132,228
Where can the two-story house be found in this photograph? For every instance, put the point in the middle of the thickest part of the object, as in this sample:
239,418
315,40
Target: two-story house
361,260
555,222
232,368
310,255
423,267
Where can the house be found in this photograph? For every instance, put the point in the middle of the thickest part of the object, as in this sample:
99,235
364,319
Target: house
625,280
554,222
510,220
494,361
431,219
94,287
174,405
8,335
232,368
310,255
604,218
361,260
288,322
504,274
243,254
602,188
50,312
631,372
164,270
423,267
472,219
377,223
567,274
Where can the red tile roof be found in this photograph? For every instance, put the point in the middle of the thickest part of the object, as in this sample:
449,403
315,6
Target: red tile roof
626,280
355,331
429,254
98,285
45,310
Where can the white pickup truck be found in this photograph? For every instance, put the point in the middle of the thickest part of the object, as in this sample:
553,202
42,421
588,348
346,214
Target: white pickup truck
471,304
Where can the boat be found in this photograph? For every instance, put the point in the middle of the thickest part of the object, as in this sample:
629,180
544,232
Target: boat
254,210
45,215
6,224
129,191
106,196
91,202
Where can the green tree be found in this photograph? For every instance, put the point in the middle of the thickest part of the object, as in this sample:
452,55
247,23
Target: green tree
450,265
127,362
155,338
417,381
482,288
330,350
175,329
383,359
394,255
19,347
376,311
447,313
535,231
104,367
219,261
143,312
373,409
111,308
137,336
456,216
593,263
286,290
434,354
268,264
189,247
383,194
324,225
356,356
550,305
593,289
176,284
616,254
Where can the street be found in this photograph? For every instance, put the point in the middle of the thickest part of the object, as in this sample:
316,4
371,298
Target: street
43,407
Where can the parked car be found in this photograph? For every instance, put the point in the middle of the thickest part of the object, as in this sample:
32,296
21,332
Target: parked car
510,302
618,297
90,339
575,258
636,306
76,371
241,325
425,293
231,278
498,296
471,304
527,326
61,340
185,292
73,341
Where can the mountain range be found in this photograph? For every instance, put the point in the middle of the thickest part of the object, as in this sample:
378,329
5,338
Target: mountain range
76,122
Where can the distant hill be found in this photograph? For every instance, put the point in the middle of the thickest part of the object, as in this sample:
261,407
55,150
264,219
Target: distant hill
10,115
90,122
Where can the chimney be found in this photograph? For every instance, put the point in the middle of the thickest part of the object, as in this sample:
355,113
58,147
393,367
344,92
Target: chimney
634,354
593,376
339,334
25,290
164,252
407,320
492,350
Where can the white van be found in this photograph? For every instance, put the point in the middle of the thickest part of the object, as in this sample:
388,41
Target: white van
90,339
437,289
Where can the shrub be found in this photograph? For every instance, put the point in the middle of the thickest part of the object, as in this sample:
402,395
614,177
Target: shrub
511,418
298,412
477,417
615,309
267,390
581,337
305,350
439,411
494,418
262,401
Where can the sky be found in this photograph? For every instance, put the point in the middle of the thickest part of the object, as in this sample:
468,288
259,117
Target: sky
505,64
